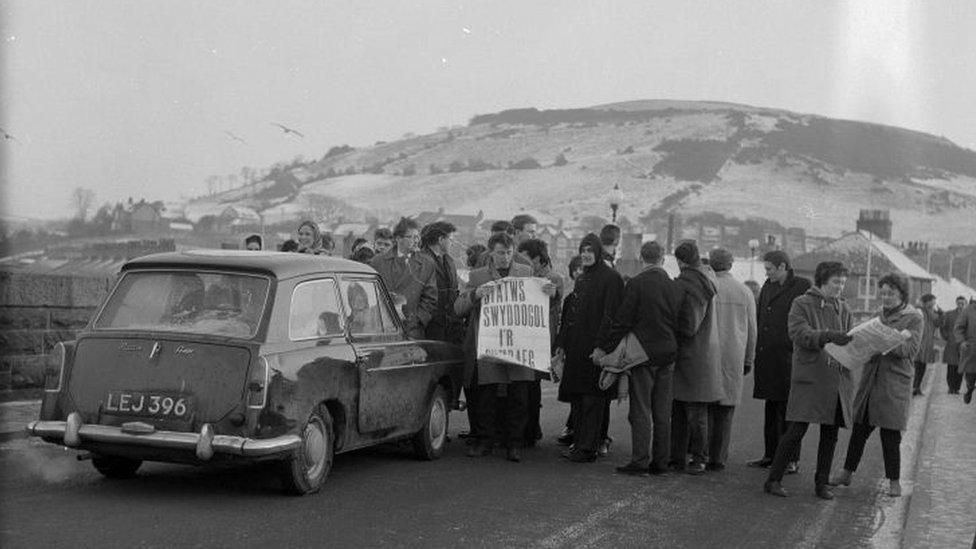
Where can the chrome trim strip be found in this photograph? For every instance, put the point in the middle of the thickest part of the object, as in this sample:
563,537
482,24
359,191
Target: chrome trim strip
224,444
411,365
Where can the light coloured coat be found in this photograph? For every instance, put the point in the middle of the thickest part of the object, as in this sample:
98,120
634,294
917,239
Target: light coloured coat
735,317
818,382
884,394
489,371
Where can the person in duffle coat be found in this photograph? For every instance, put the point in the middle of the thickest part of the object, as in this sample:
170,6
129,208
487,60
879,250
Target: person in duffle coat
926,351
965,332
821,390
735,315
774,352
950,354
599,290
697,376
884,394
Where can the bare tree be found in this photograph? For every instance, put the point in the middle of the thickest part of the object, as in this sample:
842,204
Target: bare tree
81,201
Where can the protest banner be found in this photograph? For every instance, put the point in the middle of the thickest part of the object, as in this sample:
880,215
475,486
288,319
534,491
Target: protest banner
514,323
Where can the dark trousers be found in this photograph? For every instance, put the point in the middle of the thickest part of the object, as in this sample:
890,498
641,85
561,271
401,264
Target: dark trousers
775,427
590,410
953,378
890,442
719,432
970,381
533,431
573,415
605,427
825,450
472,401
920,368
513,412
689,431
650,412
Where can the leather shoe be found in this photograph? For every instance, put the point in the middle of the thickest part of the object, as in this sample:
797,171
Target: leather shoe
762,462
715,467
823,492
633,470
566,437
695,468
657,470
773,487
792,468
577,456
514,454
968,396
604,448
894,488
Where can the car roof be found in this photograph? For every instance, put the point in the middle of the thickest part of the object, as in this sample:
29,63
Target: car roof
281,265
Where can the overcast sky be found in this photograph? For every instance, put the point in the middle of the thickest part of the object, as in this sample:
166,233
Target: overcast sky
134,98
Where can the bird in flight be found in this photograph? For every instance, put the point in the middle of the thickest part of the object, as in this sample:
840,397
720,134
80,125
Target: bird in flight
288,130
234,137
7,136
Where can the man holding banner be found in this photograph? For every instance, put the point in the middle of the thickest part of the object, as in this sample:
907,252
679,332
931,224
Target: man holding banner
506,343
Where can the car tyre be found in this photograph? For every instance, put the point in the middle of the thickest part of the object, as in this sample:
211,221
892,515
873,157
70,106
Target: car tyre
430,440
115,466
305,471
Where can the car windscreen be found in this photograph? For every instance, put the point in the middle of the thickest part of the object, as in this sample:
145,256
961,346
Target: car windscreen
186,301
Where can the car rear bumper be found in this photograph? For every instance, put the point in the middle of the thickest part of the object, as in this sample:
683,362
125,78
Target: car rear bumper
74,433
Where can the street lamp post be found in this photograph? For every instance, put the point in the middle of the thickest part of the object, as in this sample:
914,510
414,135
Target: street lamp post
615,198
753,246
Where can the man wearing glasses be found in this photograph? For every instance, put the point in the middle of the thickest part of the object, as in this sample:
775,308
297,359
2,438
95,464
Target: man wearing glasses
410,275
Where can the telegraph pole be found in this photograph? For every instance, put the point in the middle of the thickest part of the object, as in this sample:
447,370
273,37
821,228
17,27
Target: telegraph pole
867,278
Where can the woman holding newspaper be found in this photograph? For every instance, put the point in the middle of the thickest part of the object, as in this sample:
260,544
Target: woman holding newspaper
821,389
885,392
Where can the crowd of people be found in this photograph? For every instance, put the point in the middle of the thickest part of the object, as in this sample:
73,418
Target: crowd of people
695,338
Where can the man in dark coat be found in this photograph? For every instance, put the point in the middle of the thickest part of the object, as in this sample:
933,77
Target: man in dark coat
444,325
697,371
950,355
926,351
598,292
649,310
774,351
410,274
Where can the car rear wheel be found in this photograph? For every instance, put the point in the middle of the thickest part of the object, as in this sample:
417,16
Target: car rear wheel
430,441
115,466
307,468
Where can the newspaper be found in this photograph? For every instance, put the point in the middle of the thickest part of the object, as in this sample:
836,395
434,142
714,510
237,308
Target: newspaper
871,337
514,323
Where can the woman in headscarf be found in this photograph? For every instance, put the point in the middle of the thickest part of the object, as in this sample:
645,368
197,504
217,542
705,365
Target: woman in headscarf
821,390
310,238
599,290
884,394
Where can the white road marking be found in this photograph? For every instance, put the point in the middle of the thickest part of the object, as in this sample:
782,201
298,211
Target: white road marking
589,526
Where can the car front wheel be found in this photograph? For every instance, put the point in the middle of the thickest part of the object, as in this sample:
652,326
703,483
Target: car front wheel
429,442
116,467
305,471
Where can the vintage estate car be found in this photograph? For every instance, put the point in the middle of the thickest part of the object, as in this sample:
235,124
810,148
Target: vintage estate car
212,355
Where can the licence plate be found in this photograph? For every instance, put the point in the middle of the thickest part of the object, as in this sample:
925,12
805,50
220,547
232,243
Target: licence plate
138,403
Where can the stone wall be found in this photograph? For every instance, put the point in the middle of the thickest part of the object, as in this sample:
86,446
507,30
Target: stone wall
36,312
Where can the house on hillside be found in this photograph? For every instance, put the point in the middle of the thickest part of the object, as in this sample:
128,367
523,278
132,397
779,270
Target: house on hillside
239,218
469,227
147,218
853,250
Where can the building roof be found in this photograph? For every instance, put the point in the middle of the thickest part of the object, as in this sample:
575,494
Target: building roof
281,265
852,250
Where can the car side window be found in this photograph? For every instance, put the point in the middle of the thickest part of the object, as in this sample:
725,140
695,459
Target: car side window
367,314
315,311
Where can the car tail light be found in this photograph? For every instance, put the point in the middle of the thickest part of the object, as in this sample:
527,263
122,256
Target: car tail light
54,371
257,381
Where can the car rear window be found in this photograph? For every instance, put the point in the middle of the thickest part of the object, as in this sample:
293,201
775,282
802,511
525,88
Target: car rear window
184,301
